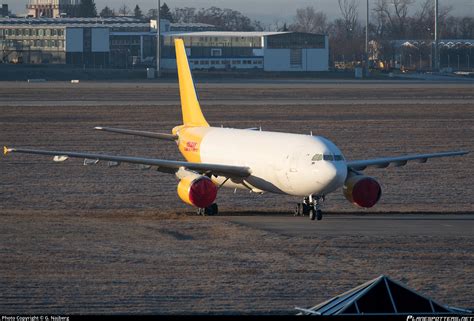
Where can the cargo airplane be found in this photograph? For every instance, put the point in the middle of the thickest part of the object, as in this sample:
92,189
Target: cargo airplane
260,161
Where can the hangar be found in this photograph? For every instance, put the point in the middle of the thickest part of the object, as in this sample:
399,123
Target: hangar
125,42
270,51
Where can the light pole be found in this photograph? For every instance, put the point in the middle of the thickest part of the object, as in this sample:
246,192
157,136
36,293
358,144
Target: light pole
158,39
367,41
436,55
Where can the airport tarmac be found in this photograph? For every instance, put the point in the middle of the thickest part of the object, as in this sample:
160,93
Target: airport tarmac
375,225
143,262
93,239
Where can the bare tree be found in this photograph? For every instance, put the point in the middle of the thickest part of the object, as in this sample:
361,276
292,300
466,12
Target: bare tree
424,19
222,19
184,15
310,20
349,15
347,37
466,27
227,19
107,12
395,13
124,10
137,12
277,25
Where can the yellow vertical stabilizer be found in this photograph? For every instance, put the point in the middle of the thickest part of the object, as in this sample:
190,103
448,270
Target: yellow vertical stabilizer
192,114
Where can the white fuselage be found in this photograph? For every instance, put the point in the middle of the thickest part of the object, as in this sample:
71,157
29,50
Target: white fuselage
280,162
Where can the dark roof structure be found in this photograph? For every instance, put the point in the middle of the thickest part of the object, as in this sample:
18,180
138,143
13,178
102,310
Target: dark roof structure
63,21
380,296
442,43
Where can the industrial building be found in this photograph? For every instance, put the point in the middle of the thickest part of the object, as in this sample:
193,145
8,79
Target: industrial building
4,10
73,41
125,42
454,54
51,8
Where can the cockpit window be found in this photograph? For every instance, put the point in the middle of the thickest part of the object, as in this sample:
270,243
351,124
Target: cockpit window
327,157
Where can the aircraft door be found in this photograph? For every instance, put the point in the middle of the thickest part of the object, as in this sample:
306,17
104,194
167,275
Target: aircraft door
294,169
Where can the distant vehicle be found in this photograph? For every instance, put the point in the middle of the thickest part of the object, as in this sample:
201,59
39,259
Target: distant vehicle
260,161
17,60
345,65
145,62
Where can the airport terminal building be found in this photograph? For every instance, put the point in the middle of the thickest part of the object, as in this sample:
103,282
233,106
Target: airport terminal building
125,42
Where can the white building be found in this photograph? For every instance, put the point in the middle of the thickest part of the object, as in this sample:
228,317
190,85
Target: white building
270,51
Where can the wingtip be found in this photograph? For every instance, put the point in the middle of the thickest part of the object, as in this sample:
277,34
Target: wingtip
98,128
6,150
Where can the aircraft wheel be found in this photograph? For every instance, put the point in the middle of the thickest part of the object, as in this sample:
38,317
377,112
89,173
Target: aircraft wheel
305,209
298,209
312,214
211,210
319,215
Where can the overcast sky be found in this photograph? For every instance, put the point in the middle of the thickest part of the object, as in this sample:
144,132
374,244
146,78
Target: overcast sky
264,10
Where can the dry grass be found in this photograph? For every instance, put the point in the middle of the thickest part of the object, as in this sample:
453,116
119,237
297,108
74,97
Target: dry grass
77,239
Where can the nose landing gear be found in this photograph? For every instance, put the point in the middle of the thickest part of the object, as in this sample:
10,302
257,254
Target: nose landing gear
311,206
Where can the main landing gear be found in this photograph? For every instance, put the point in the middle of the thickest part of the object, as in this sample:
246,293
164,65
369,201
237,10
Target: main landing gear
211,210
311,206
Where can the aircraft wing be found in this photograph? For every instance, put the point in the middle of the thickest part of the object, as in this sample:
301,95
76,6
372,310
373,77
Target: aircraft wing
162,164
138,133
360,165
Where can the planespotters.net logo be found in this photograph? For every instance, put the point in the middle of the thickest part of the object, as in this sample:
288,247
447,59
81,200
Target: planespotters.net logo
445,318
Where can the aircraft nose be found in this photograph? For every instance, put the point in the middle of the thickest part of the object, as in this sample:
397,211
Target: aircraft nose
335,175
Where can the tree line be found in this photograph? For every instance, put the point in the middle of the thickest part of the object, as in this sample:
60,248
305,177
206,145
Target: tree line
389,20
222,19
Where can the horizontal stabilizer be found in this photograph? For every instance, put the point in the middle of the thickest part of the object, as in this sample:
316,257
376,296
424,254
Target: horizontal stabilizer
138,133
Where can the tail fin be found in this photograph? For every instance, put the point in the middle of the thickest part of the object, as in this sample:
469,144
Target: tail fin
192,114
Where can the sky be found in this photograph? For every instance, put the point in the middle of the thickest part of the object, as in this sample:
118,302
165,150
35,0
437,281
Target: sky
266,11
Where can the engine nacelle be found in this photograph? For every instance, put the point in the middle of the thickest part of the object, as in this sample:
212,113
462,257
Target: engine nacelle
197,190
362,191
